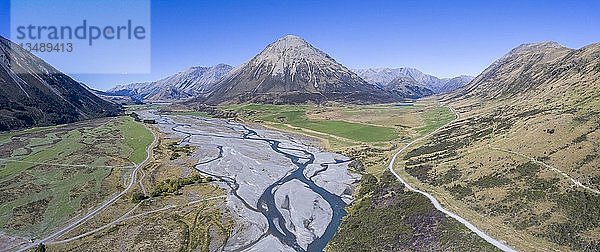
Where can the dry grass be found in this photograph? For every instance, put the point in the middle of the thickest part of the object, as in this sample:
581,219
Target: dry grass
525,208
182,221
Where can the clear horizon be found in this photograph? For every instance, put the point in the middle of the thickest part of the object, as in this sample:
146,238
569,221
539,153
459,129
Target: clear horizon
437,37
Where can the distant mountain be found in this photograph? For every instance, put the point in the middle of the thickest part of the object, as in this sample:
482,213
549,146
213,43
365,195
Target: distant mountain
383,76
194,81
379,76
290,70
408,87
429,80
451,84
33,93
118,99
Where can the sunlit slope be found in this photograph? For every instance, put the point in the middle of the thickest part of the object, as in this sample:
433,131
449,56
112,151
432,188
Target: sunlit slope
524,154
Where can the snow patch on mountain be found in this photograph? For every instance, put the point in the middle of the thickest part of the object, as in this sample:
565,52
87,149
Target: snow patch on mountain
384,76
194,81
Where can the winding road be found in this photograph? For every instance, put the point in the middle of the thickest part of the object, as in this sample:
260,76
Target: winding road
266,203
97,210
126,217
552,168
498,244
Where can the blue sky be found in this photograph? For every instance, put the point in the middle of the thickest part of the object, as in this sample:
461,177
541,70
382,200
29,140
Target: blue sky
443,38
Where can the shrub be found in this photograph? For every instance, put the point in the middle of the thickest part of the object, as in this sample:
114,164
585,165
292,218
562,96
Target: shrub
169,186
137,197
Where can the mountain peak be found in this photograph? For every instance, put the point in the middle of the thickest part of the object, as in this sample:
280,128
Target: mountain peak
544,46
541,44
288,54
528,69
290,70
291,39
545,51
193,81
290,45
222,65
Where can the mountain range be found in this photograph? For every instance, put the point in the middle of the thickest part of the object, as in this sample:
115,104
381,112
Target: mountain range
290,70
33,93
192,82
384,76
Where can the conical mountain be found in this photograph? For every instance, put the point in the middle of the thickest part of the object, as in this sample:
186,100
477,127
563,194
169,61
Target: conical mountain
290,70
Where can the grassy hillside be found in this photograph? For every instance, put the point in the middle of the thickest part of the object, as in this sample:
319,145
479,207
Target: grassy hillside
49,175
522,163
137,138
532,171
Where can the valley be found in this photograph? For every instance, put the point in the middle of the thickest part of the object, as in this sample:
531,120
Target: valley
243,137
273,176
411,123
231,190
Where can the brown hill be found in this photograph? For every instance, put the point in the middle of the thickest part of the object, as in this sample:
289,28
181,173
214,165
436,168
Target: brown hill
522,161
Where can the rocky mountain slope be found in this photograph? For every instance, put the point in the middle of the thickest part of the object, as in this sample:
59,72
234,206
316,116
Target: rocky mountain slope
383,76
524,154
541,71
450,84
194,81
118,99
33,93
408,87
379,76
290,70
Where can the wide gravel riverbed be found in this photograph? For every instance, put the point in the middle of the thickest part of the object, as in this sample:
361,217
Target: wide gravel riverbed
287,195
